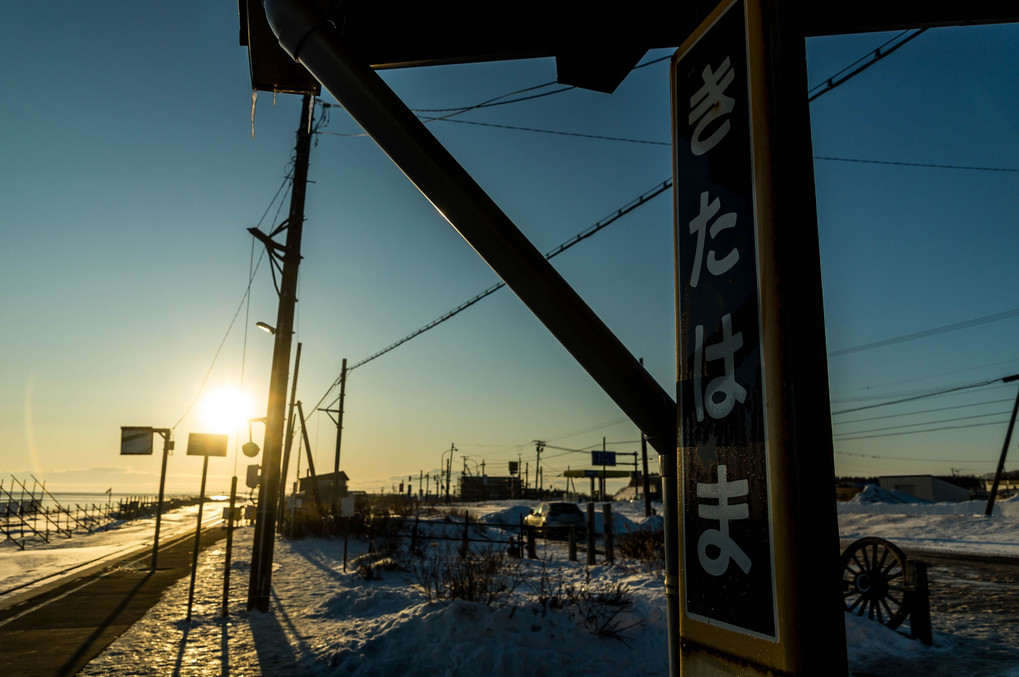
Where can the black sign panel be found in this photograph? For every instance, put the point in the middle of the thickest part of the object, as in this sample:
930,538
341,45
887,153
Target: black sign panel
135,440
207,444
728,561
603,458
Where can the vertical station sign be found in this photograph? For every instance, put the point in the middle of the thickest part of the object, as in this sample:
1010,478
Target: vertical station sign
727,552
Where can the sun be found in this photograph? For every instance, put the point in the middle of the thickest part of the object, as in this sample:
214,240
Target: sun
225,410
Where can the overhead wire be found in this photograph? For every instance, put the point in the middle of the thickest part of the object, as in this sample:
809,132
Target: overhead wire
244,297
916,432
934,331
926,411
913,398
862,64
642,199
503,99
813,93
920,424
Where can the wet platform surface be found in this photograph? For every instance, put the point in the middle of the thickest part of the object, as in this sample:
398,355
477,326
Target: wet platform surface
61,629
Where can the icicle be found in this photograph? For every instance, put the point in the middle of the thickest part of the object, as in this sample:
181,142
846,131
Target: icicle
254,98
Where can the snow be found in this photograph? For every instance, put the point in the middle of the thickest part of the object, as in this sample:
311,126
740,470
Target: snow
26,571
328,620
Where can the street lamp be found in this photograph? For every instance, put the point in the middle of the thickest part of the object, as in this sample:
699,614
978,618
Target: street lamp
446,470
267,328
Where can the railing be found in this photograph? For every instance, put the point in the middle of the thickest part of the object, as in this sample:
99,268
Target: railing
26,518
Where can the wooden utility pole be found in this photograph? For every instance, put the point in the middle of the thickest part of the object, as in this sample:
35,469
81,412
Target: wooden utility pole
539,446
1004,449
266,514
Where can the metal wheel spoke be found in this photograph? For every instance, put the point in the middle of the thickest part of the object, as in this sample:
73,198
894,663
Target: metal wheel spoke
874,579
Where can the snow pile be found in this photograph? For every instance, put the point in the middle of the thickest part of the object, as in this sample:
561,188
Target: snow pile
328,621
512,515
872,493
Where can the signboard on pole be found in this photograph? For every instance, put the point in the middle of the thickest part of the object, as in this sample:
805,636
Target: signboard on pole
136,440
207,444
603,458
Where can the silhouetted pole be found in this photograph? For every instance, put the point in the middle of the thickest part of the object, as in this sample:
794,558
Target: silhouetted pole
198,537
539,445
229,546
647,480
311,459
338,420
167,446
268,495
289,440
339,430
1004,449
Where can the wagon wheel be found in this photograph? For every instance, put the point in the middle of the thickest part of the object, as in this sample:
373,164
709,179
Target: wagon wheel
875,581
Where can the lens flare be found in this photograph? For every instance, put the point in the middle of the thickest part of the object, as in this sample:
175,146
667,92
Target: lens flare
225,410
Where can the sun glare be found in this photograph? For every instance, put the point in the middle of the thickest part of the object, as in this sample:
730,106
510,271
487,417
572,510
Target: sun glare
225,410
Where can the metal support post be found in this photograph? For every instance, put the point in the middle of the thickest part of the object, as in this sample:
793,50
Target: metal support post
167,446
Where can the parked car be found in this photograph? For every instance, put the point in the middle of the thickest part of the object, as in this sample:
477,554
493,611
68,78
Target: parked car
557,517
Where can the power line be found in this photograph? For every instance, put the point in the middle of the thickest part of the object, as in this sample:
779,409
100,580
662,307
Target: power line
576,239
928,165
917,460
599,137
965,324
925,411
244,297
498,100
936,393
862,64
917,432
921,423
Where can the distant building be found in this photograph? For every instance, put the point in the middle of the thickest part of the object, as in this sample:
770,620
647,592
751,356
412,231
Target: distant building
1006,486
489,488
326,484
635,489
927,487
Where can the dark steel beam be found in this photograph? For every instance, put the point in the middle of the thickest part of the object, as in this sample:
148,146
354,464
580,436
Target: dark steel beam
318,45
594,50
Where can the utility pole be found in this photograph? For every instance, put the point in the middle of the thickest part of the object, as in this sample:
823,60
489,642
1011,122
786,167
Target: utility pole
288,441
1004,449
539,445
647,480
260,581
449,468
601,487
339,429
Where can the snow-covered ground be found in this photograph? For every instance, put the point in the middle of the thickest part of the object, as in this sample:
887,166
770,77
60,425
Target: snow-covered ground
331,621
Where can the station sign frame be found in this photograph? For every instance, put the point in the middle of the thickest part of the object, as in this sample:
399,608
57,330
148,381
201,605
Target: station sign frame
743,466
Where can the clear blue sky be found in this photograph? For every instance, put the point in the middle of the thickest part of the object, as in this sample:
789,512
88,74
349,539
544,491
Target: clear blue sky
130,175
